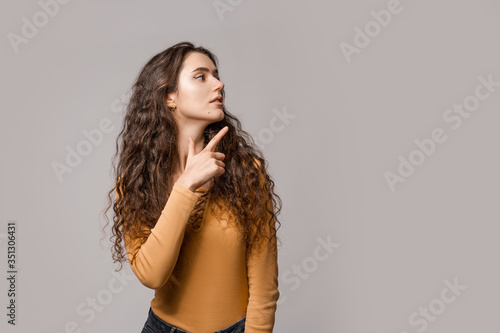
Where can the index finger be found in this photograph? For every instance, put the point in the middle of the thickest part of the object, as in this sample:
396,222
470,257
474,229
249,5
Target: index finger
215,140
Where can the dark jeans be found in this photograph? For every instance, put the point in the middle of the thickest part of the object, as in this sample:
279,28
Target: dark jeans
155,324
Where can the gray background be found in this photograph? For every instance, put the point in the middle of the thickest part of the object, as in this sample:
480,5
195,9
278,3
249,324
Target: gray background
352,120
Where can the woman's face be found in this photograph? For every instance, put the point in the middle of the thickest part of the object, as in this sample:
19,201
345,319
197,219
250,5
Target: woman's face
198,86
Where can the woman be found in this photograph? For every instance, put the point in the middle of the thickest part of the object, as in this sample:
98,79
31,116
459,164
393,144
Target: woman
195,206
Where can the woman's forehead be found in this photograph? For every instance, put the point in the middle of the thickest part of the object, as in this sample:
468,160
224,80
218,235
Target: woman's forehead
196,60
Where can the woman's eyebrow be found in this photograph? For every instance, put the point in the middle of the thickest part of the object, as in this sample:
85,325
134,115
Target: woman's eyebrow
204,69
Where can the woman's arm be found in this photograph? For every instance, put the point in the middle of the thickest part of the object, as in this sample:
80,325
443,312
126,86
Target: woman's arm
262,273
153,261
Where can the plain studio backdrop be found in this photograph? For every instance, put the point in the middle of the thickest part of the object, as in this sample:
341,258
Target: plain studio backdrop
379,120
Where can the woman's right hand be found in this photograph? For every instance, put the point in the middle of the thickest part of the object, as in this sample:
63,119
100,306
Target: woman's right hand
204,165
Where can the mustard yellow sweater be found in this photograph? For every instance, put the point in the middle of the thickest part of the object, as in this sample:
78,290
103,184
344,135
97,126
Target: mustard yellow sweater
201,280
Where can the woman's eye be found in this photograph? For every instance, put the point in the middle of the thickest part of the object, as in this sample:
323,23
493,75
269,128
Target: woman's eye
199,76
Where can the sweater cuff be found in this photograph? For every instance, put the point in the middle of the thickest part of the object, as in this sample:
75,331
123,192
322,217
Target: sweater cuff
178,188
178,208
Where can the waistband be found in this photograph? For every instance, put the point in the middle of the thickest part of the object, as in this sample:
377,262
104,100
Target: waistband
162,326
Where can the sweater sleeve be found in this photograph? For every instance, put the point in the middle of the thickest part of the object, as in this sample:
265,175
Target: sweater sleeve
154,260
262,270
262,273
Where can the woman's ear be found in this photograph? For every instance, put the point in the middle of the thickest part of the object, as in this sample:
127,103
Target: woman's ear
171,100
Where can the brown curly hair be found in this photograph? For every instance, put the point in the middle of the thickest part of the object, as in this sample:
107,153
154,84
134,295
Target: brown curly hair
146,148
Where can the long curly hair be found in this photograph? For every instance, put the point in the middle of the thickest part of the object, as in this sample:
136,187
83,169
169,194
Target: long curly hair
146,149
